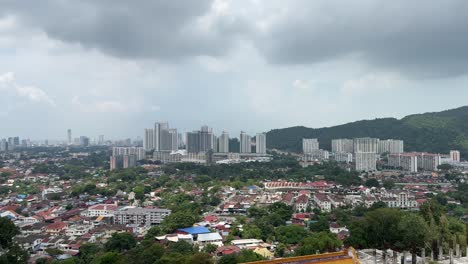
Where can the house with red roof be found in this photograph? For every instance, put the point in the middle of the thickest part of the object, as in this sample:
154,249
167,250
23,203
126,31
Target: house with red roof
56,228
301,203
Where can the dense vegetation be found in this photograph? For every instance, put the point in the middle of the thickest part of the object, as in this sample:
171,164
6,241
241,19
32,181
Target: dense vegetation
434,132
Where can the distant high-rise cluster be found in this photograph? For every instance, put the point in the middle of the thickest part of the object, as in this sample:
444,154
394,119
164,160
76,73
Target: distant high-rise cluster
12,143
415,161
363,151
126,157
170,146
161,138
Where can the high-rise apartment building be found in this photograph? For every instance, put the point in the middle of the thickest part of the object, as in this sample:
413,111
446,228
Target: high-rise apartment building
245,143
365,150
343,157
161,138
69,136
129,161
366,145
193,142
174,139
390,146
101,140
309,145
158,128
84,141
223,142
148,139
429,161
260,142
201,140
116,162
366,161
11,143
3,145
139,152
342,145
404,161
455,155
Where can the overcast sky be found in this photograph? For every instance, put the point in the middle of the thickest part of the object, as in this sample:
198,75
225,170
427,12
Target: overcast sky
114,67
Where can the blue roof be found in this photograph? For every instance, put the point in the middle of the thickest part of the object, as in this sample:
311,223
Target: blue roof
194,230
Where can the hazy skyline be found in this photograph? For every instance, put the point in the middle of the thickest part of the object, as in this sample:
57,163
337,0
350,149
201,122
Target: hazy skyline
116,67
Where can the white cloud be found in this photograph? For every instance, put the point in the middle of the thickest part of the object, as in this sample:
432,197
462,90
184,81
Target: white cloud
371,83
111,106
8,83
304,85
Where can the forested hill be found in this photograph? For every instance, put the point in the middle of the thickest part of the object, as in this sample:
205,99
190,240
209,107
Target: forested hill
433,132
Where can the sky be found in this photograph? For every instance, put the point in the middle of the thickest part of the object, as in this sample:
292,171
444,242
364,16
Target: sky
114,67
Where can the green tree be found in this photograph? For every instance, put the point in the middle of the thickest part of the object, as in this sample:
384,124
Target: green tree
414,233
290,234
178,220
322,242
8,231
200,258
88,251
12,252
139,192
372,183
321,225
388,184
111,258
251,231
228,259
382,227
121,242
210,248
248,256
181,247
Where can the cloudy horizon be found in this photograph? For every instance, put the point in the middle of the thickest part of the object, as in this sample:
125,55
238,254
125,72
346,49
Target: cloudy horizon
114,67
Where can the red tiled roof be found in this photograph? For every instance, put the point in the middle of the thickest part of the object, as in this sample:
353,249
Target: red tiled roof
302,199
56,225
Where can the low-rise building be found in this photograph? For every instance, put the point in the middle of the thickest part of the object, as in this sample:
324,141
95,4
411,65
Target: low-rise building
140,216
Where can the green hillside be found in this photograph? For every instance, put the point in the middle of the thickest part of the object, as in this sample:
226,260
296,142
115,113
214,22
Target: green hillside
433,132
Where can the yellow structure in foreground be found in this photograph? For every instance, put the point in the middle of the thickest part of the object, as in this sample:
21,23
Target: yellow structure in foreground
347,256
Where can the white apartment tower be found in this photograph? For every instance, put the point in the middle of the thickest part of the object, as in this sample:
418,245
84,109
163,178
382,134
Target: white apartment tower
366,145
223,142
365,150
245,146
260,143
342,145
390,146
366,161
309,145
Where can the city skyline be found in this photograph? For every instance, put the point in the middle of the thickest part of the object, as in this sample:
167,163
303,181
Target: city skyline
82,74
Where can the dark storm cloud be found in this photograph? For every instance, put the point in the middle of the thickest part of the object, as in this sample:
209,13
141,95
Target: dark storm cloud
417,38
420,39
131,29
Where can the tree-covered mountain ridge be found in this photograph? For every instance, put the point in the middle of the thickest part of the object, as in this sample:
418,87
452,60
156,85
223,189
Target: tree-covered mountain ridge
437,132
